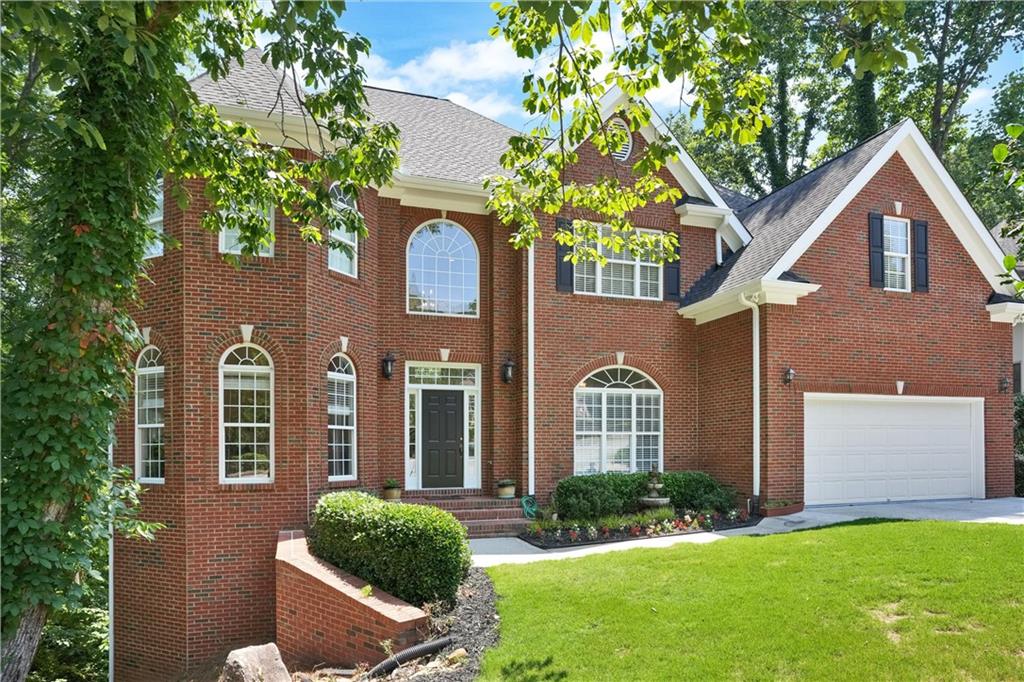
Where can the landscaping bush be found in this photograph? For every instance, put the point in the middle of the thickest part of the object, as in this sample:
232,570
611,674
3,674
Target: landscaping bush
590,497
1018,475
416,552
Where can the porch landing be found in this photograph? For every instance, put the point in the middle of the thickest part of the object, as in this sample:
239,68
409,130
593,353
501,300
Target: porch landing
483,516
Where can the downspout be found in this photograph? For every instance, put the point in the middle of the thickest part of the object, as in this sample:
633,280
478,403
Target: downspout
529,372
751,302
110,576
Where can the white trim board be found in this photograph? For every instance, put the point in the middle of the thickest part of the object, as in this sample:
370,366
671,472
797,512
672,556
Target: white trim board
937,184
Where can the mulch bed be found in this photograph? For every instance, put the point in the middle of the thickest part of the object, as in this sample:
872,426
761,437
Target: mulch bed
549,541
472,624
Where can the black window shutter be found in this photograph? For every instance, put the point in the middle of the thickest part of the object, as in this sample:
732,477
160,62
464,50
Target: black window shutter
920,255
563,267
672,287
875,251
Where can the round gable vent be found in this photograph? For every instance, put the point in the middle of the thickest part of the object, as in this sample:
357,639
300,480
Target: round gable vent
622,153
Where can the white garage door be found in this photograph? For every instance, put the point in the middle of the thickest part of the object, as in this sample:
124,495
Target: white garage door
881,448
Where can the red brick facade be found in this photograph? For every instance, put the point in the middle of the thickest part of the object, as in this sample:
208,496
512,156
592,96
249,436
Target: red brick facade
207,584
324,617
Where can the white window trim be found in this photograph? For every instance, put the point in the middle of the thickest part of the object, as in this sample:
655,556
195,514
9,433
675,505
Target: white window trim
222,246
627,149
637,263
907,256
138,429
471,469
155,249
220,414
355,423
633,433
476,247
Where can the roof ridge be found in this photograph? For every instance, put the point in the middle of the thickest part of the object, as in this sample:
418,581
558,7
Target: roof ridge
406,92
826,164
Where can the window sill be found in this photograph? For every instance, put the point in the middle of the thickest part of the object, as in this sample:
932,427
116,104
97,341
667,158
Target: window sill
631,299
343,482
331,272
246,486
150,481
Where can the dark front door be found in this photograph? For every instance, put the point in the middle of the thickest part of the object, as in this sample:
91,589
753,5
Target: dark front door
442,439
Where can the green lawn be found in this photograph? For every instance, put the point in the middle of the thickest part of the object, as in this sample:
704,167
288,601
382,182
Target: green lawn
866,601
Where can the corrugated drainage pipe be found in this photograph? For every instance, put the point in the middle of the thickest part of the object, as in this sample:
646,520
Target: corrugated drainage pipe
426,648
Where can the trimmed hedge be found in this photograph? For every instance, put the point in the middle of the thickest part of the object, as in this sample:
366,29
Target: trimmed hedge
416,552
1018,475
590,497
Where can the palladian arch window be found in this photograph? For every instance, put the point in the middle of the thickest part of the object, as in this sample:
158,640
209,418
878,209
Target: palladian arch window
341,419
149,416
618,422
442,271
247,415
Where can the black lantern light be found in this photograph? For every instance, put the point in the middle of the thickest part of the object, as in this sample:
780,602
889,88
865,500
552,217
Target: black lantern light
1004,385
387,365
507,368
788,375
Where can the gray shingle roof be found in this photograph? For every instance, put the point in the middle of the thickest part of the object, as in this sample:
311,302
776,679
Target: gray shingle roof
440,139
780,218
737,201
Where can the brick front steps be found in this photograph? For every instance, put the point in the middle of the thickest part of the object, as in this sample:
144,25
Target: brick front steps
483,517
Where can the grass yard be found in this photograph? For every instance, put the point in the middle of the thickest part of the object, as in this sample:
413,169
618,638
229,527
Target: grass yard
865,601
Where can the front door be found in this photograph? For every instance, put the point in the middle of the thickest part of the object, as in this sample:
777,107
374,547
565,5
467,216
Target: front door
442,439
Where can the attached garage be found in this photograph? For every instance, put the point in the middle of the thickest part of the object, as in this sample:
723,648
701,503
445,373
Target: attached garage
866,448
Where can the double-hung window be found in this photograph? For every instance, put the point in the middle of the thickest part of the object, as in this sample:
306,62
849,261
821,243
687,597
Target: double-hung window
156,220
149,416
230,238
340,260
623,275
896,253
341,419
247,415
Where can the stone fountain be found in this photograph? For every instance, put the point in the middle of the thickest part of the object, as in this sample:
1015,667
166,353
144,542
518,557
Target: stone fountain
653,497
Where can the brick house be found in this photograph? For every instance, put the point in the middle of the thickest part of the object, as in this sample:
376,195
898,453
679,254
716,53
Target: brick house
844,339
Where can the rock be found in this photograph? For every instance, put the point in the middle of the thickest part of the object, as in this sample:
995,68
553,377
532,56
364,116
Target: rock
457,656
261,663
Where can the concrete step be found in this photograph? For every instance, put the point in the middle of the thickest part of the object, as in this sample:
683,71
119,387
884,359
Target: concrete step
472,502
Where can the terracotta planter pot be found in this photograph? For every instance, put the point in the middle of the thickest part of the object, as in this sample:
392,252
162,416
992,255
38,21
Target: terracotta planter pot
506,492
392,493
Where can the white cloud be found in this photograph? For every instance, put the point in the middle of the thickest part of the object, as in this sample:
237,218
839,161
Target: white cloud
978,95
458,63
490,104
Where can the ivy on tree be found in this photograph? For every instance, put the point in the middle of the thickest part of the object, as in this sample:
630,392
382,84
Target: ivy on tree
94,105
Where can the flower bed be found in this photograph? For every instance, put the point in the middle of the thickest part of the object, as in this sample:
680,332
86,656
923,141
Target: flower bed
553,534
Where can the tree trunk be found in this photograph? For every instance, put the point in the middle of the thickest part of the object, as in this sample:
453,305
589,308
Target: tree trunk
19,650
865,104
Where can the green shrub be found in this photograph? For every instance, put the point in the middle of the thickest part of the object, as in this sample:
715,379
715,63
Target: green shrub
597,495
697,491
416,552
585,498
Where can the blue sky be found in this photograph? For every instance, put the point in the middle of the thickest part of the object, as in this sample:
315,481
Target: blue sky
443,49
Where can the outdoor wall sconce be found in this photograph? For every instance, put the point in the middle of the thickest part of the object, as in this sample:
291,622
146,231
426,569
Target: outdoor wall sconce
387,365
507,368
788,376
1004,385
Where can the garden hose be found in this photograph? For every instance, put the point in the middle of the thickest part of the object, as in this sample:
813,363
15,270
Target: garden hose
529,505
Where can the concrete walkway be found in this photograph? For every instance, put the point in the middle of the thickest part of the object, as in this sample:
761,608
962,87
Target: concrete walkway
493,551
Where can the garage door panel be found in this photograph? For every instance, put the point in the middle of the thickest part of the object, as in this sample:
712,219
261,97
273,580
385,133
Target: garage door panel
867,450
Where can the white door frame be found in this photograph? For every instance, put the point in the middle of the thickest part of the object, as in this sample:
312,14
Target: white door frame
976,404
471,455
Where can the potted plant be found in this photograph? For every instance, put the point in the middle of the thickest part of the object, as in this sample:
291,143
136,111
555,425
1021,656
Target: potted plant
392,491
506,489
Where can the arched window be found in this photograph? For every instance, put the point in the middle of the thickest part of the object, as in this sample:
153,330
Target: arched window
337,259
247,415
618,422
341,419
149,416
442,270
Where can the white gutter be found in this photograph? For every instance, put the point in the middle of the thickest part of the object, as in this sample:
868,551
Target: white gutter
110,577
752,303
529,371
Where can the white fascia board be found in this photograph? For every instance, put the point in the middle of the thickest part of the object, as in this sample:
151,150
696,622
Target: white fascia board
777,292
448,195
283,131
940,188
700,215
1010,312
